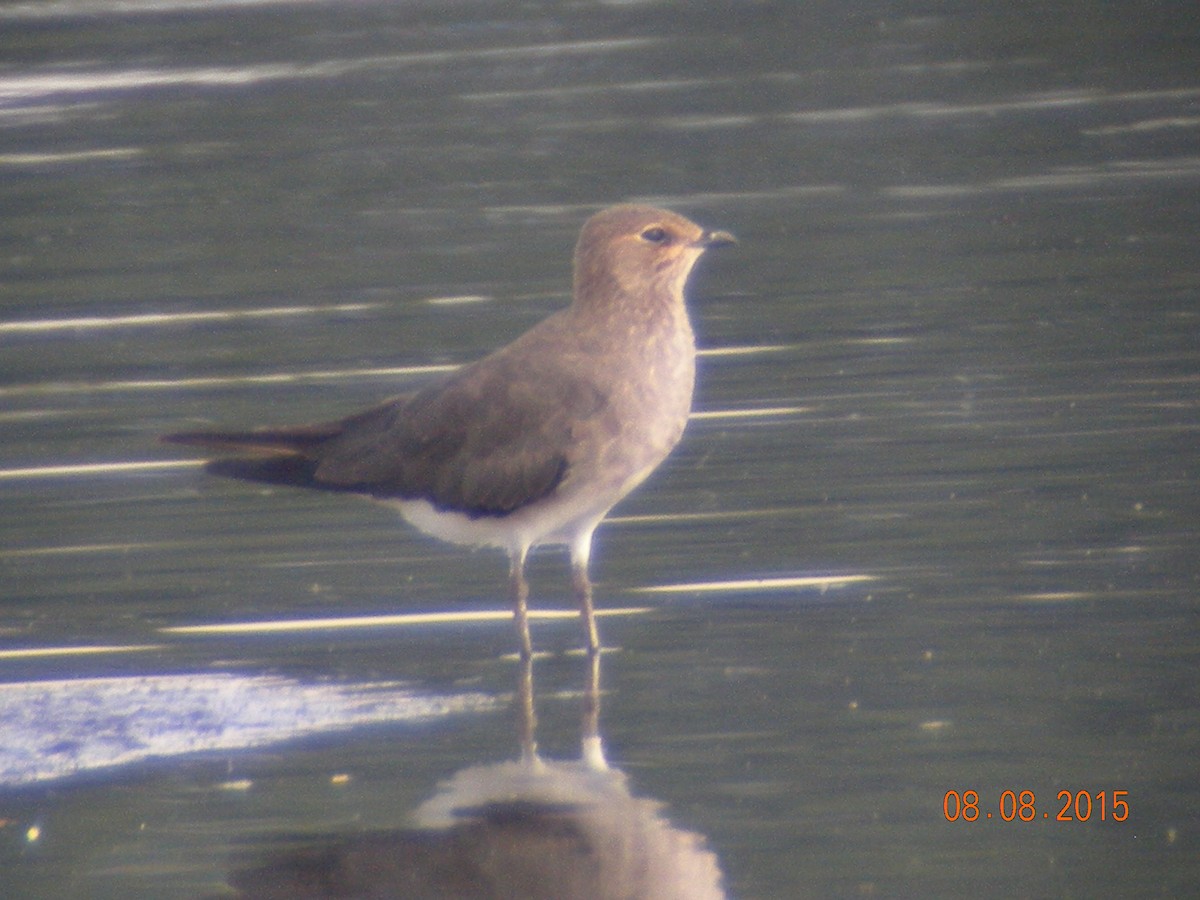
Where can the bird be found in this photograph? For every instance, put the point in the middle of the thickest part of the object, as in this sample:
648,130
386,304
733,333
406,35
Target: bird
534,443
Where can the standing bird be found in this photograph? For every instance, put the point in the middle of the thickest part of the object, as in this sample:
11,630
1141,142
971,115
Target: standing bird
536,442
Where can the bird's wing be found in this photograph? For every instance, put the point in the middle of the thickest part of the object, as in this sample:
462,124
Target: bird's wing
486,441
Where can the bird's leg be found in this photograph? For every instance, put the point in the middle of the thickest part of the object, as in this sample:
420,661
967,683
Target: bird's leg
593,747
583,595
519,592
581,549
589,727
526,715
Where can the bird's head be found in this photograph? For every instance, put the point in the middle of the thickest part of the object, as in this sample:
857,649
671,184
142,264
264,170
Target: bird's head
635,250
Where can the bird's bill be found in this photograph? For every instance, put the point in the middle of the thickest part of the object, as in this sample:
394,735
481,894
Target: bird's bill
716,239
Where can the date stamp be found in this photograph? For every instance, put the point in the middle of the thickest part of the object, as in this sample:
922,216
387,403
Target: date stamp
1023,806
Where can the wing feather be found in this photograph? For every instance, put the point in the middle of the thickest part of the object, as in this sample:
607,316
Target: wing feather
486,441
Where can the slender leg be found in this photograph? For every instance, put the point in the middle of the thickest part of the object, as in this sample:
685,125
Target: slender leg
589,727
526,715
581,551
519,590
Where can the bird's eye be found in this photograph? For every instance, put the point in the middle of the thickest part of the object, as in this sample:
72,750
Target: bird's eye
655,235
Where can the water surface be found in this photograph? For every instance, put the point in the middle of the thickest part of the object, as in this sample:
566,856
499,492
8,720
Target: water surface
933,527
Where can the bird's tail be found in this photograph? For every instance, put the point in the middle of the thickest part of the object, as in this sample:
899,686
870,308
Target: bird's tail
290,470
270,455
267,441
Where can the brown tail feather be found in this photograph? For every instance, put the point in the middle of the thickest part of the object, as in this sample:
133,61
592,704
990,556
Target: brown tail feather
270,441
274,456
283,469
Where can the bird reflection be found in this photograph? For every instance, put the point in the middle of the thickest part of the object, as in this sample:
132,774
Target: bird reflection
531,828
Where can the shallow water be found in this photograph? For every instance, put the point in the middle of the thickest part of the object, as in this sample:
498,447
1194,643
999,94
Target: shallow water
933,527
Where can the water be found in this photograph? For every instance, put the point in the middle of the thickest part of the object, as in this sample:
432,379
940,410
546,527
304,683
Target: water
952,377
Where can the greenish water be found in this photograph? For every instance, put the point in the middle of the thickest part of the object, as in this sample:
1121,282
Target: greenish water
964,307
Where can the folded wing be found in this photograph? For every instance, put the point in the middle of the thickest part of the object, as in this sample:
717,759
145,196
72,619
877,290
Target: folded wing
484,442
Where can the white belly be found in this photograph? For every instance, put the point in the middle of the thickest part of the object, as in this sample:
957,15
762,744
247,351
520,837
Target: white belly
557,519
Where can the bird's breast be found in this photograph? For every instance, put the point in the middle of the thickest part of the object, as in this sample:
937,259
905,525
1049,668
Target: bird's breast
648,387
